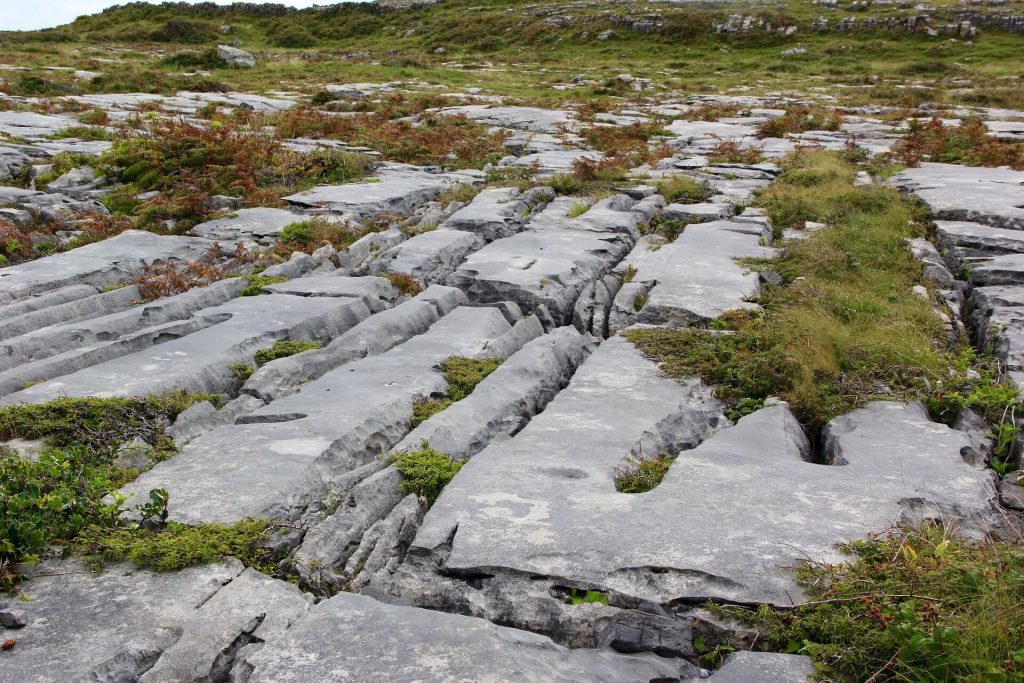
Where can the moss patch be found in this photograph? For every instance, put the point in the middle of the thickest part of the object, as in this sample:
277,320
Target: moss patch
283,349
462,375
426,471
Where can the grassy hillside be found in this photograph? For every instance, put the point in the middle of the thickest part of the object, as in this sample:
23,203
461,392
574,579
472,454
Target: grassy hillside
520,48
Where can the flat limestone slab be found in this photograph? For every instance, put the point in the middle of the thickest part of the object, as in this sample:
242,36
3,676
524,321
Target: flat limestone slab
517,118
356,638
729,514
396,189
199,362
110,627
112,261
992,196
697,277
257,224
287,451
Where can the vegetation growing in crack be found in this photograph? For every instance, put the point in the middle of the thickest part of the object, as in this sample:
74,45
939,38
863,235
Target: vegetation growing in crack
425,472
640,473
683,189
462,375
405,283
588,597
54,499
911,606
177,546
282,349
969,144
258,282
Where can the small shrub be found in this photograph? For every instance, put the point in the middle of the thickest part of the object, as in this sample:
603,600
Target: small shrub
242,371
207,59
283,349
297,233
425,472
639,301
94,117
630,273
639,473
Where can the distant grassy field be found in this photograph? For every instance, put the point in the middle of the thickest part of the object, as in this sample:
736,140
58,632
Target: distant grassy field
512,49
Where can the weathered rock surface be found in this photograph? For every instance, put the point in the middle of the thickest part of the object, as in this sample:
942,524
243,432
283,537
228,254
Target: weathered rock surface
991,196
391,642
517,506
281,457
110,262
259,225
396,189
555,257
697,277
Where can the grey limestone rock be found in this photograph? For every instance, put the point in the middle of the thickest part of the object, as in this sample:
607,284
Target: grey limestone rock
375,640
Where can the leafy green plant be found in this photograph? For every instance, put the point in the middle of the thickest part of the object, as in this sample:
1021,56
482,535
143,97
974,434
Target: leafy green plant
242,371
425,472
577,210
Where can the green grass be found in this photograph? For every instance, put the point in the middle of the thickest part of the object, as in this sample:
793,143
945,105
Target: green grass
847,331
683,189
920,607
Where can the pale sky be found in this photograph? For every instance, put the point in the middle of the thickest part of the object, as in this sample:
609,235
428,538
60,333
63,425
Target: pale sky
22,15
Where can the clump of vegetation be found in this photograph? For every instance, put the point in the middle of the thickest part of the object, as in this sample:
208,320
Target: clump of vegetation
629,144
669,228
639,301
177,546
577,210
207,59
462,375
96,423
683,189
845,333
589,597
165,278
800,120
55,498
258,282
189,163
434,139
283,349
425,472
639,473
313,233
731,152
969,144
242,371
914,606
405,283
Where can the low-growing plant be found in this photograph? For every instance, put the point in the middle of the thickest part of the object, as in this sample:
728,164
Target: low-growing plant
258,282
969,143
800,120
577,210
283,349
589,597
732,152
462,375
425,472
911,606
683,189
639,473
405,283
